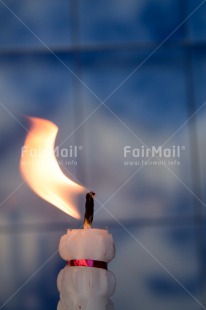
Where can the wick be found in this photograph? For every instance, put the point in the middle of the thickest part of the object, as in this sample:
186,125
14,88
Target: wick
89,210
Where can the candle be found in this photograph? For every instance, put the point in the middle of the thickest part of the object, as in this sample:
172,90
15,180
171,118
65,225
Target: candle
85,282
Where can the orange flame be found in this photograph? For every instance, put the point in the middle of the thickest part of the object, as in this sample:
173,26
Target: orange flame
40,169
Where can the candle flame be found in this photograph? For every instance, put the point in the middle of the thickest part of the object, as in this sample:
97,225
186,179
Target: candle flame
40,169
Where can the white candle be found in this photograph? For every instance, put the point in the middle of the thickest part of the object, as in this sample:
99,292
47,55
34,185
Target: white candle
89,285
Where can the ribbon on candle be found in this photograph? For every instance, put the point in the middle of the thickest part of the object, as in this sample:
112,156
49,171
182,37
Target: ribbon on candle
87,263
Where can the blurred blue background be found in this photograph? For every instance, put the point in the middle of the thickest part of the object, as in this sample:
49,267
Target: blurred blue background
109,74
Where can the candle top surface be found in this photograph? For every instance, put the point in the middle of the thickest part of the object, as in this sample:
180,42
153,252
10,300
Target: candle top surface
90,231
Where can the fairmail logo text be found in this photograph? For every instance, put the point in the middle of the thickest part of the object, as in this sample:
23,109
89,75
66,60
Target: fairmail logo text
154,151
